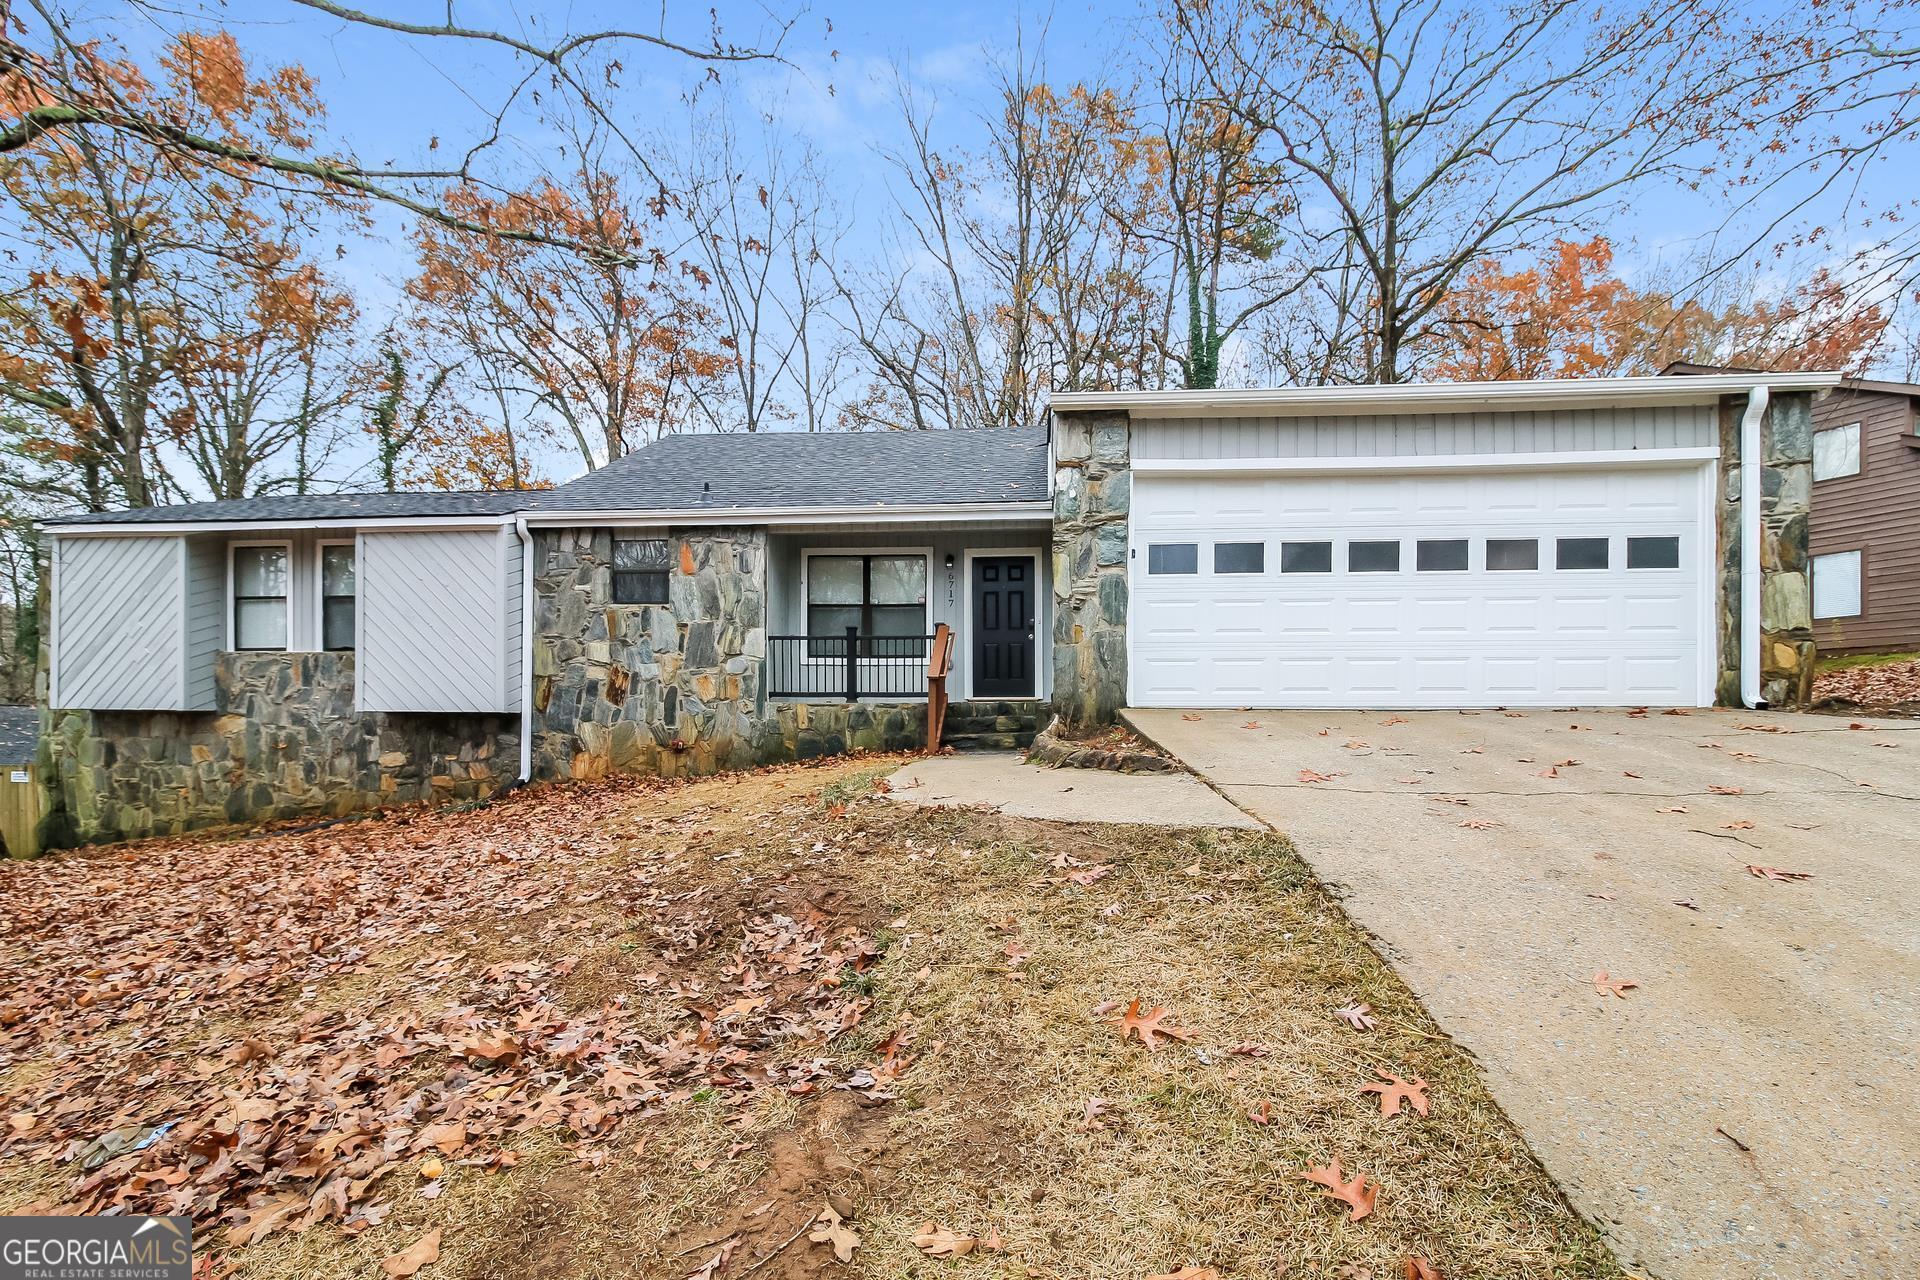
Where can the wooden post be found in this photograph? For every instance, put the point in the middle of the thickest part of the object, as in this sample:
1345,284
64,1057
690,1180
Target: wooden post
939,663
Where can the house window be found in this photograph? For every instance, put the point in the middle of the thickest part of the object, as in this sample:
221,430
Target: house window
1836,585
882,597
1836,452
1306,557
1239,557
1173,557
1580,553
339,593
640,569
260,597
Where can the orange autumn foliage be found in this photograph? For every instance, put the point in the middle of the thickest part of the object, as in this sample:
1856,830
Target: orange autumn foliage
1570,316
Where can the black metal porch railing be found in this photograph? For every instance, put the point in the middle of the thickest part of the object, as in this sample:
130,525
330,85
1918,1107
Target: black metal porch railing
849,667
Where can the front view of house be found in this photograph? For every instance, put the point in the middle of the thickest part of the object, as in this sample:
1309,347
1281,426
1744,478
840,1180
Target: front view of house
717,601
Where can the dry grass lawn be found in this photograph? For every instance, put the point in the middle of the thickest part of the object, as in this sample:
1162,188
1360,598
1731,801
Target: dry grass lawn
984,1015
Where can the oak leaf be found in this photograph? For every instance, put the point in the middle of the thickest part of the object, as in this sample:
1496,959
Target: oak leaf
1358,1016
938,1242
1358,1195
1605,985
1422,1269
831,1228
1188,1273
422,1252
1393,1091
1314,775
1147,1025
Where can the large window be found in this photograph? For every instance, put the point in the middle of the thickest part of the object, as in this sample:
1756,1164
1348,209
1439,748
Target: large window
260,597
1836,452
882,596
339,594
1836,585
640,569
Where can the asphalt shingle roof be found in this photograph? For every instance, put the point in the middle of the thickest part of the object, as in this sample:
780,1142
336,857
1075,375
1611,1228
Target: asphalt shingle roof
722,472
317,506
816,469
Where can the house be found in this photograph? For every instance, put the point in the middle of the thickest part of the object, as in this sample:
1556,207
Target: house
1863,535
718,601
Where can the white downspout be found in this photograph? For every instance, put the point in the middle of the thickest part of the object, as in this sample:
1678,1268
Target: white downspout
526,647
1750,546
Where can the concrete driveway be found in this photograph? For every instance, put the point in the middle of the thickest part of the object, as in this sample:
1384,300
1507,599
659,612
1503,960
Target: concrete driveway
1750,1108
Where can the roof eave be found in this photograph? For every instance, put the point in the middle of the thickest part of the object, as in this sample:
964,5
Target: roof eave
72,528
791,515
1441,397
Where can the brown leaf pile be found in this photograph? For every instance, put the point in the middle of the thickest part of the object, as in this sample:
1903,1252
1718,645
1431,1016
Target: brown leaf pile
1889,684
125,965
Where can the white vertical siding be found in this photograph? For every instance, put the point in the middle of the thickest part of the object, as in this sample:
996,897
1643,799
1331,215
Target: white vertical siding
206,617
512,565
432,629
1425,434
119,623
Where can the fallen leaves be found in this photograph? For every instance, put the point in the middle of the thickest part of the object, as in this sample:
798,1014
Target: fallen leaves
1358,1016
421,1253
1480,824
1422,1269
1604,985
1394,1091
1188,1273
1147,1026
1358,1194
1314,775
831,1229
1775,873
937,1242
1720,790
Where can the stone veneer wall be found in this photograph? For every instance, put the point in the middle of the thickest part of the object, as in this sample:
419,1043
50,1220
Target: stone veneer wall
670,689
675,688
1093,490
1786,599
285,743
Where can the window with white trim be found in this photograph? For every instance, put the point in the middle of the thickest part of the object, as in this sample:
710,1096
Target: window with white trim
882,597
1836,585
260,577
339,595
1836,452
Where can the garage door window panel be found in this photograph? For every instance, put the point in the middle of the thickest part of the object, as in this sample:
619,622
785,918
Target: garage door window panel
1373,557
1653,553
1441,555
1239,557
1306,557
1173,558
1580,553
1513,555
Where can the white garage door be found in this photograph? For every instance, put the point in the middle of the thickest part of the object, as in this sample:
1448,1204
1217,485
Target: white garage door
1492,588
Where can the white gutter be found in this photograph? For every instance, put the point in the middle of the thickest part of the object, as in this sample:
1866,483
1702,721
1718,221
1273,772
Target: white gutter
634,517
1441,397
526,647
1750,421
158,528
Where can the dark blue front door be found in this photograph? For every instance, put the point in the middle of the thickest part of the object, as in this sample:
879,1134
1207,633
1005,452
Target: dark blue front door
1003,605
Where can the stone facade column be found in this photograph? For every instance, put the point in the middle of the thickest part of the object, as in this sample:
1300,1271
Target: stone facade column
1092,492
1786,598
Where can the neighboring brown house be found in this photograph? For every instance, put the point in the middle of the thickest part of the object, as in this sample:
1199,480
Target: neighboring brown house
1864,532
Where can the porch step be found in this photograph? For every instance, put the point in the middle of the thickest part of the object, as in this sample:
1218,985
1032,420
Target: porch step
989,725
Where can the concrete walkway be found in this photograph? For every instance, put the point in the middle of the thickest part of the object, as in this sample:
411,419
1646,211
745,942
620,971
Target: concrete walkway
1002,780
1750,1109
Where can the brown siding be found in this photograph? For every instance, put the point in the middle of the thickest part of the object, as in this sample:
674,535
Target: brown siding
1877,513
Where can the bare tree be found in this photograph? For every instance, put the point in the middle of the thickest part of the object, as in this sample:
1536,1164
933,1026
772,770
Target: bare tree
1439,134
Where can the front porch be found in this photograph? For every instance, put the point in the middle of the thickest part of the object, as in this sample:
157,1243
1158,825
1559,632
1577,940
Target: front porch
851,613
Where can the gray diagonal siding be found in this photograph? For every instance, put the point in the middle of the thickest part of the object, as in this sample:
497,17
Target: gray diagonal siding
1425,434
433,629
119,633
